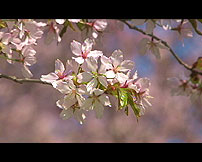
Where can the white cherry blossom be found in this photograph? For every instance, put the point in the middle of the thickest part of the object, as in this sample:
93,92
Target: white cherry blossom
60,73
147,45
115,66
96,101
83,51
91,74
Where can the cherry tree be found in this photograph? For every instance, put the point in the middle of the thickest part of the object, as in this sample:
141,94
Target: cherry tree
90,78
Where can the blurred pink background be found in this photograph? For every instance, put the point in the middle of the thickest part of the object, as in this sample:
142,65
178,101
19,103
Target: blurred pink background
28,112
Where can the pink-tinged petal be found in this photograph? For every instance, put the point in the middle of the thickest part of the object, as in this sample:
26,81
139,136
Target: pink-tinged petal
104,99
37,34
69,101
49,37
30,60
66,114
59,67
72,65
143,46
61,86
144,83
80,99
99,109
100,25
76,48
50,78
87,104
156,52
95,53
103,81
92,84
121,77
126,65
92,64
60,21
59,103
95,34
150,27
5,39
137,22
28,51
84,77
106,63
79,60
98,92
110,74
117,57
74,20
79,115
26,72
87,45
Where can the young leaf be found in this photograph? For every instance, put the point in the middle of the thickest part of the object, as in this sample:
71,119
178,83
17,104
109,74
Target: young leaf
135,108
64,29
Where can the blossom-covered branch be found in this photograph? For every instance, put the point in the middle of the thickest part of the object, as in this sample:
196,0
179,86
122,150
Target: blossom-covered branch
188,67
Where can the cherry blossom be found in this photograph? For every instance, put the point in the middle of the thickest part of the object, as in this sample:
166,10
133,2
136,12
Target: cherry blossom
115,66
84,50
60,73
91,75
150,24
96,101
146,45
72,101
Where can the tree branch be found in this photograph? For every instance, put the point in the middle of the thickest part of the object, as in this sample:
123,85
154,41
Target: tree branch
188,67
21,81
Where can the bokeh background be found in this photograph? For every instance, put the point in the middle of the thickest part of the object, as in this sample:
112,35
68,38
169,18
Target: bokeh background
28,112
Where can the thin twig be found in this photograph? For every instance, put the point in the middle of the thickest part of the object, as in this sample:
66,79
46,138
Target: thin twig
188,67
21,81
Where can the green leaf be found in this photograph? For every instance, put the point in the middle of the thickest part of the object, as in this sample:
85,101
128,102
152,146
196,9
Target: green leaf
122,98
2,24
199,64
64,29
135,108
81,26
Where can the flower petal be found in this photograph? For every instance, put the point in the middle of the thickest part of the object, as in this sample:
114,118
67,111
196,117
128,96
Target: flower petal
26,72
66,114
104,99
110,74
95,53
51,77
59,67
103,81
126,65
100,25
87,104
99,109
76,48
87,45
69,101
84,77
92,84
142,46
117,57
79,60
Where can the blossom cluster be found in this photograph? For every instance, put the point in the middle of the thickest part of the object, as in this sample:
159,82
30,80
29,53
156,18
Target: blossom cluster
90,79
17,41
189,86
19,36
182,28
